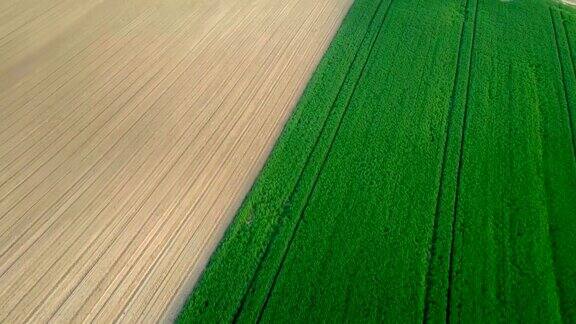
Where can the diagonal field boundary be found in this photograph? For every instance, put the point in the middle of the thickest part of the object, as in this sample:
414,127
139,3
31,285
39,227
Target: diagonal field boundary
277,226
323,163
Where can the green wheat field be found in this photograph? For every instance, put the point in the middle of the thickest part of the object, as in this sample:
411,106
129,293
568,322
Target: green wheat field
428,174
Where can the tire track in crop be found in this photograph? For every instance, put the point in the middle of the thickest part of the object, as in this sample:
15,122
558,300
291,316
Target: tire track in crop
322,164
569,44
277,227
567,314
453,106
563,70
466,104
565,76
459,172
569,108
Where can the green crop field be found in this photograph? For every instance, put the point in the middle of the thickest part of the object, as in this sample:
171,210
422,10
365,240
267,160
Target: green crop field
428,173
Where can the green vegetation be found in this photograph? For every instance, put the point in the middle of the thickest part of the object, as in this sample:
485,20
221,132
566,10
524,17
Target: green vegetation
427,174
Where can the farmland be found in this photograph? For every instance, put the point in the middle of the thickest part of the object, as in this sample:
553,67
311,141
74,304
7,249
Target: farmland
130,131
428,173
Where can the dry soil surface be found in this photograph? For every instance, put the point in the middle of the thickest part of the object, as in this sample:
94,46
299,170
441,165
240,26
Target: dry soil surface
130,132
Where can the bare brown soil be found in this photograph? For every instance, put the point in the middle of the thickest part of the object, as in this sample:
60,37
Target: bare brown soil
130,131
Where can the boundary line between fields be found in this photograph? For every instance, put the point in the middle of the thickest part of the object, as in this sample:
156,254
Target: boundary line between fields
277,227
323,163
